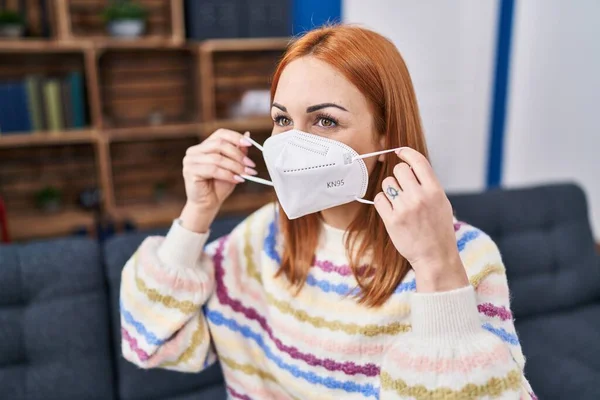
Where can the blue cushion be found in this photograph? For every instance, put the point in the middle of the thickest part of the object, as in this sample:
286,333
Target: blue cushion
135,383
546,242
563,356
54,332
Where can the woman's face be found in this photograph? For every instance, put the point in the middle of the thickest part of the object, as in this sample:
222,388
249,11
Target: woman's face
314,97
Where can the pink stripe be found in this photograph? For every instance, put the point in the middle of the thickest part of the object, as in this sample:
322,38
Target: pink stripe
161,276
134,346
494,311
492,289
347,367
237,395
343,270
405,360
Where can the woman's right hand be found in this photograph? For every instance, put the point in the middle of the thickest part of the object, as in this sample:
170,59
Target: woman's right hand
211,170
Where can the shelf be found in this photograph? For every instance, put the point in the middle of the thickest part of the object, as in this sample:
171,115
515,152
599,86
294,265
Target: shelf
260,44
139,83
42,46
47,138
100,42
153,132
225,82
37,225
259,123
148,42
147,216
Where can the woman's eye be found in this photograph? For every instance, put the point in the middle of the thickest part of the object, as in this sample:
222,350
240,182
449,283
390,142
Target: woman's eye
282,121
326,122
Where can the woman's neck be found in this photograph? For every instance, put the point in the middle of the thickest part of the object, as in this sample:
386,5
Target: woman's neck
340,217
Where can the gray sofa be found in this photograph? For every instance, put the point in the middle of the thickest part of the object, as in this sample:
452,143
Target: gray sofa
59,321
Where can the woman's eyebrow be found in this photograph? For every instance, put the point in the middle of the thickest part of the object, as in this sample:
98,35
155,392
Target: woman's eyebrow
323,105
282,108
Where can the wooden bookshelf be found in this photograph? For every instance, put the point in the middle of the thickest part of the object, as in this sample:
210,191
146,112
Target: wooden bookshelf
48,138
147,216
38,225
42,46
231,68
154,132
82,19
147,100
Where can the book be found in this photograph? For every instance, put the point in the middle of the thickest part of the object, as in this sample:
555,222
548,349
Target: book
14,117
15,108
65,103
268,18
214,19
6,115
52,105
45,19
34,102
77,99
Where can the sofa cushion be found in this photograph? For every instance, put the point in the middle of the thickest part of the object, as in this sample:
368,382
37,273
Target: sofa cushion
54,333
546,242
135,383
563,356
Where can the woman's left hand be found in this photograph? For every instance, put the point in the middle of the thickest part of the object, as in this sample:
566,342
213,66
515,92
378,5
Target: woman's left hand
418,217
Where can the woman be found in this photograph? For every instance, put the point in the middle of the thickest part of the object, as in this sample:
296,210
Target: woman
326,297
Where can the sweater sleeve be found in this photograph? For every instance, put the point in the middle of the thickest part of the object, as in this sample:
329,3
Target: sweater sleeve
163,288
463,343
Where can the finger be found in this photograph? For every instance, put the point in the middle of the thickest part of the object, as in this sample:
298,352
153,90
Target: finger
212,171
232,137
406,178
221,161
383,207
391,189
221,146
420,166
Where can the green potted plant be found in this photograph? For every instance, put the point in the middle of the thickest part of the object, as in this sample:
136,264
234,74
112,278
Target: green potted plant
12,24
49,199
125,18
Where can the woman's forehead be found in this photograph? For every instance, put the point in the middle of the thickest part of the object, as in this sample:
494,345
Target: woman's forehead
308,81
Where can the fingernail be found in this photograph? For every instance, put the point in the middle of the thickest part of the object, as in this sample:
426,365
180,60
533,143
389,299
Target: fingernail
249,162
250,171
245,142
239,178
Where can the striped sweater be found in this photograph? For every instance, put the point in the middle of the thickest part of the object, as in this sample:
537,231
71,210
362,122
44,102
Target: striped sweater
184,305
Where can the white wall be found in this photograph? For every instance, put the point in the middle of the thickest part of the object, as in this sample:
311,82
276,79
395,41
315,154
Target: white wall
449,47
553,129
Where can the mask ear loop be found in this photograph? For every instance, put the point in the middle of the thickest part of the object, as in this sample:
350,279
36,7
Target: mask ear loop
375,153
255,178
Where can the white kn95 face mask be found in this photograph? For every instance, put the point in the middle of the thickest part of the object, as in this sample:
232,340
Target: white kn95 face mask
311,173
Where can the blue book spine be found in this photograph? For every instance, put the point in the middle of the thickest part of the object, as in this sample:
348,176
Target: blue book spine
77,99
6,109
21,109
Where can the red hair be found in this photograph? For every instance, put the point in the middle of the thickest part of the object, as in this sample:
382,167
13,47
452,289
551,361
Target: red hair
373,64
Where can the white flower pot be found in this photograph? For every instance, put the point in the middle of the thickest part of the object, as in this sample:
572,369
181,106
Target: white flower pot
127,28
11,30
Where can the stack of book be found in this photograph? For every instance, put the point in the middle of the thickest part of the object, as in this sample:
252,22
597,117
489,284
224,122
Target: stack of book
209,19
39,103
